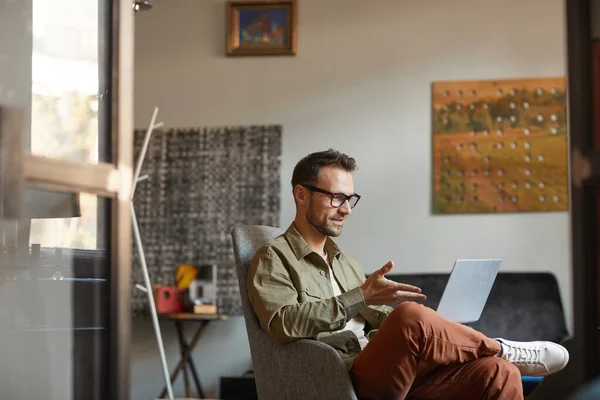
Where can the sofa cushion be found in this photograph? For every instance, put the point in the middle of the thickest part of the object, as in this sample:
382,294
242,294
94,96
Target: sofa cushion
521,306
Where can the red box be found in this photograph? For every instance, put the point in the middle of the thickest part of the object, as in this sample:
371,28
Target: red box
168,299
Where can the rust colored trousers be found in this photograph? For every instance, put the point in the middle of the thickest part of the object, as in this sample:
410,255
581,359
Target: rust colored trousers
416,354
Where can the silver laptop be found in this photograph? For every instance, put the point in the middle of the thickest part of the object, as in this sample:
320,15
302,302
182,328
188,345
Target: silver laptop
468,289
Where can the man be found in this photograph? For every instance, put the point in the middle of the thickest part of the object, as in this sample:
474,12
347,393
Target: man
301,285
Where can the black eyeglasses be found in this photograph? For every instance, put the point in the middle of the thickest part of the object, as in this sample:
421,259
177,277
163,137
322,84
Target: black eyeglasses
337,199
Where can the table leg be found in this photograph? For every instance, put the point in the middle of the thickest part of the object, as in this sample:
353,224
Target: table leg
184,357
182,349
192,366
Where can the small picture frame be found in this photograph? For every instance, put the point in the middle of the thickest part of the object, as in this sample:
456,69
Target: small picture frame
261,28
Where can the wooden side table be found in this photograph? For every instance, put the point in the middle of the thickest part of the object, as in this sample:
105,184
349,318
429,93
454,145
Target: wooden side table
186,348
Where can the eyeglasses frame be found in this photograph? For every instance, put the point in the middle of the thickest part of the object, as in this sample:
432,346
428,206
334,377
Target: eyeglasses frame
319,190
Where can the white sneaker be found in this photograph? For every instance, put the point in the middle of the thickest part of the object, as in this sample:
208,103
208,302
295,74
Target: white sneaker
534,358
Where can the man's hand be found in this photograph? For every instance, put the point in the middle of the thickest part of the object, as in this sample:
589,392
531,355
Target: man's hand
377,289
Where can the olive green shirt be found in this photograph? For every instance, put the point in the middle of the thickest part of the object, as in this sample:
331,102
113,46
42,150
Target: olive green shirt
290,290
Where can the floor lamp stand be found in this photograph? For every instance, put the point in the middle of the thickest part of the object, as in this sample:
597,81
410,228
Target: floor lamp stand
138,241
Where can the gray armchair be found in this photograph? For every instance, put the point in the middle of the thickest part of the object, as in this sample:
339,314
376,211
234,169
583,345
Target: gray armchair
305,369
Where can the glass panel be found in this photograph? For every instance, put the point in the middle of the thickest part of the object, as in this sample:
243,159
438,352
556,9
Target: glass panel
54,267
66,79
53,64
80,233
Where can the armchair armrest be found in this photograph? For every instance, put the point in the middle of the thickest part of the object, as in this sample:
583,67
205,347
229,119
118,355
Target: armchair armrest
317,369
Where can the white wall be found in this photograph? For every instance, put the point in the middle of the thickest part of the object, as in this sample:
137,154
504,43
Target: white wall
361,83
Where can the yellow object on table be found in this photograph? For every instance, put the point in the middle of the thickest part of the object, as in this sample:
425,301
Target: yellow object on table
185,275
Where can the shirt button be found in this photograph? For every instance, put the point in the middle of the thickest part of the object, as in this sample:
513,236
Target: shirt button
322,273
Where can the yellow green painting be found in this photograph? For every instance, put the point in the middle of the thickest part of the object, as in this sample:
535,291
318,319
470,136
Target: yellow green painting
500,146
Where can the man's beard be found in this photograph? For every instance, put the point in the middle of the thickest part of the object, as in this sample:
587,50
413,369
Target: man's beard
322,227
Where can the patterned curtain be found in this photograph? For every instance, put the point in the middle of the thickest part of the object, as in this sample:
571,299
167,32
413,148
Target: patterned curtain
202,182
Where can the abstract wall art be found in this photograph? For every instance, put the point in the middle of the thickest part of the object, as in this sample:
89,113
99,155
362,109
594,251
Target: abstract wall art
500,146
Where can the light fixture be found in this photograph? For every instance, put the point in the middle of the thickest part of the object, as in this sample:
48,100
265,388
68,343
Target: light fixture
141,5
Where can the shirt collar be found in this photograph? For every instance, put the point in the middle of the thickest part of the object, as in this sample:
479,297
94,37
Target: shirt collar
301,249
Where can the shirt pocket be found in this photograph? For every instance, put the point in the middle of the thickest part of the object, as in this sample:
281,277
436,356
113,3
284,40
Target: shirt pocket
313,290
314,285
310,294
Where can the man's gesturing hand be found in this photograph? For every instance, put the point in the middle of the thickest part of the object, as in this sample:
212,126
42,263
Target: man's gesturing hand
377,289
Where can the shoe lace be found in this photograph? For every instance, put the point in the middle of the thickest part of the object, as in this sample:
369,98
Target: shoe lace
529,354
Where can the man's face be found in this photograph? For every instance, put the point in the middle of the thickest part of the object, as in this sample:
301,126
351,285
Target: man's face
325,218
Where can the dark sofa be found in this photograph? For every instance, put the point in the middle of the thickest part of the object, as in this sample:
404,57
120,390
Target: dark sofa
521,306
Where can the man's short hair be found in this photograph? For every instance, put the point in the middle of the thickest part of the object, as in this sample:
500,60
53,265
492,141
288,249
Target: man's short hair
307,169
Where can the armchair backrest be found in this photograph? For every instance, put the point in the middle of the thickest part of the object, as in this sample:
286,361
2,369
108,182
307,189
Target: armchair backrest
247,239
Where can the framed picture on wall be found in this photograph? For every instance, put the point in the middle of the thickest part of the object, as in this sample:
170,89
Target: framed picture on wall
261,28
500,146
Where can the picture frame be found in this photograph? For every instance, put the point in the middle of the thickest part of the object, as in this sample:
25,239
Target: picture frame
261,27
